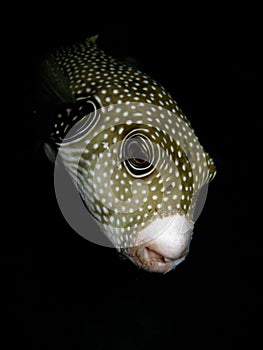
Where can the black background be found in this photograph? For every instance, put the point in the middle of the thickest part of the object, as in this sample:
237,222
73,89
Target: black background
66,293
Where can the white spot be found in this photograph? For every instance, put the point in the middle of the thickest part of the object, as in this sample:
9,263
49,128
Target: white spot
121,130
105,210
105,145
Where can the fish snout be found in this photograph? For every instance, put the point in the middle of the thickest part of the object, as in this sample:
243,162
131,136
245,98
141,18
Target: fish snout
163,244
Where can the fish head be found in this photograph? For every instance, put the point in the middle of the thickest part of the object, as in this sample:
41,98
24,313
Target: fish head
139,169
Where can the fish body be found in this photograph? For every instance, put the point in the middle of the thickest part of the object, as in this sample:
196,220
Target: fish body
131,152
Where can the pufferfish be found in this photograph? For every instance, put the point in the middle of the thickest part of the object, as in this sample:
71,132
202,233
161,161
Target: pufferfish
130,151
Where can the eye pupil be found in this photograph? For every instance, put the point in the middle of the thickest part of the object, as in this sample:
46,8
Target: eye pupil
139,161
138,154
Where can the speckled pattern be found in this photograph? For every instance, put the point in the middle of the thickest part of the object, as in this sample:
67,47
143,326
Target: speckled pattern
133,155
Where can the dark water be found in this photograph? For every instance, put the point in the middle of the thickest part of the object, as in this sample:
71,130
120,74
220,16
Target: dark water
66,293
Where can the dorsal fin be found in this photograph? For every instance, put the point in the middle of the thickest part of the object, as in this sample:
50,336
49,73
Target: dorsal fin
93,39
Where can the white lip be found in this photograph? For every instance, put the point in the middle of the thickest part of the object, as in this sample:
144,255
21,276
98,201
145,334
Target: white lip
163,244
171,234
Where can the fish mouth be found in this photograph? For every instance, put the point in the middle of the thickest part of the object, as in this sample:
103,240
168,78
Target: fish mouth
164,251
152,260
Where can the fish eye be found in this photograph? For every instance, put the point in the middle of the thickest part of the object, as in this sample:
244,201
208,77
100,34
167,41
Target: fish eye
138,155
137,152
